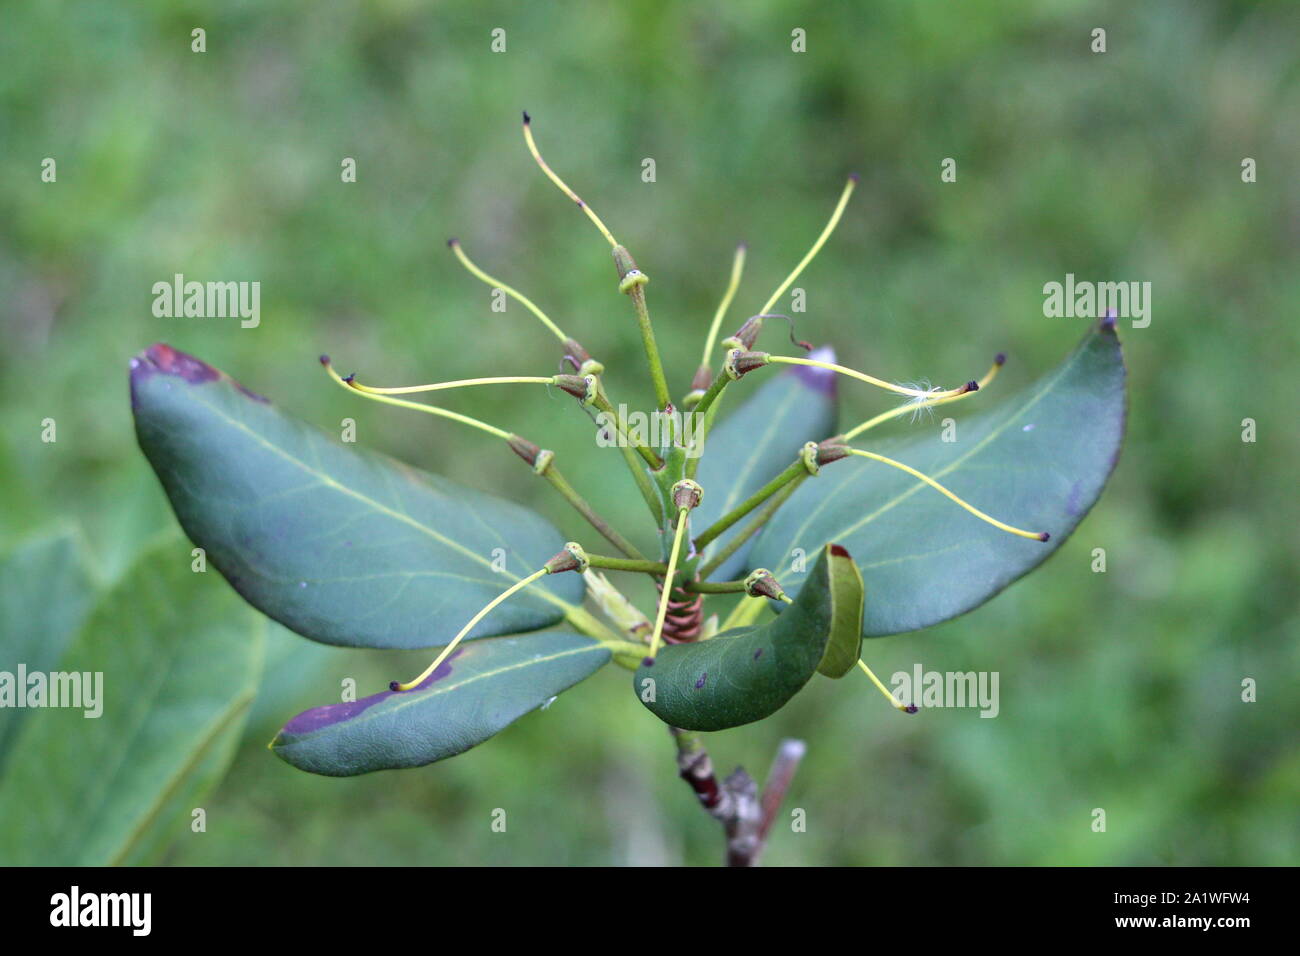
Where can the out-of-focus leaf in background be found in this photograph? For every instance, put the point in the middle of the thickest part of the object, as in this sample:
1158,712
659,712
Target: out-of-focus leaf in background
45,592
178,663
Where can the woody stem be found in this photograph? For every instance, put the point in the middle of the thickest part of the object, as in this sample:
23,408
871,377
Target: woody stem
746,817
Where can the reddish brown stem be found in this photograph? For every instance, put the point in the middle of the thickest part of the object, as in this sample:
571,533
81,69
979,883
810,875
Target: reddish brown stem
746,819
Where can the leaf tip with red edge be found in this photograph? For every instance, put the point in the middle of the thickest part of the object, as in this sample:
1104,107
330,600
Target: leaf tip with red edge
161,359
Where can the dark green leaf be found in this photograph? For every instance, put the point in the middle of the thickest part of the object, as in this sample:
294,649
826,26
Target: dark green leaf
179,658
45,594
342,545
753,443
1037,461
746,673
477,692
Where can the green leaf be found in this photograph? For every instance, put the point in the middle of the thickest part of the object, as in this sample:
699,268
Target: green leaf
342,545
1037,461
45,594
178,659
746,673
755,442
477,692
844,646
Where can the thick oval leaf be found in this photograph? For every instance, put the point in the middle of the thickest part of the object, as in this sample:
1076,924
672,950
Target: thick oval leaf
844,646
1038,461
750,446
477,692
166,667
342,545
746,673
45,594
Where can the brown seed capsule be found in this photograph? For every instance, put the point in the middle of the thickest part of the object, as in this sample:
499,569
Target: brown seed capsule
572,558
524,449
740,363
687,494
747,334
832,449
761,583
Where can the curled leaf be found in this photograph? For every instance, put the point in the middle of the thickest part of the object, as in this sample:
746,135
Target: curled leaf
746,673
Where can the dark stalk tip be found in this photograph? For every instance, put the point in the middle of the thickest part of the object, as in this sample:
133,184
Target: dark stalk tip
524,449
350,377
647,662
831,449
527,119
575,353
972,386
393,685
325,360
452,241
854,177
575,385
1044,536
911,709
1000,358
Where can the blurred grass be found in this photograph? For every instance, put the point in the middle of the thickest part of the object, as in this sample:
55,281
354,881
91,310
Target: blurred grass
1119,690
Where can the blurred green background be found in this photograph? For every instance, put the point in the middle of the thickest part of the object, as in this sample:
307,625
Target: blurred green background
1119,690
